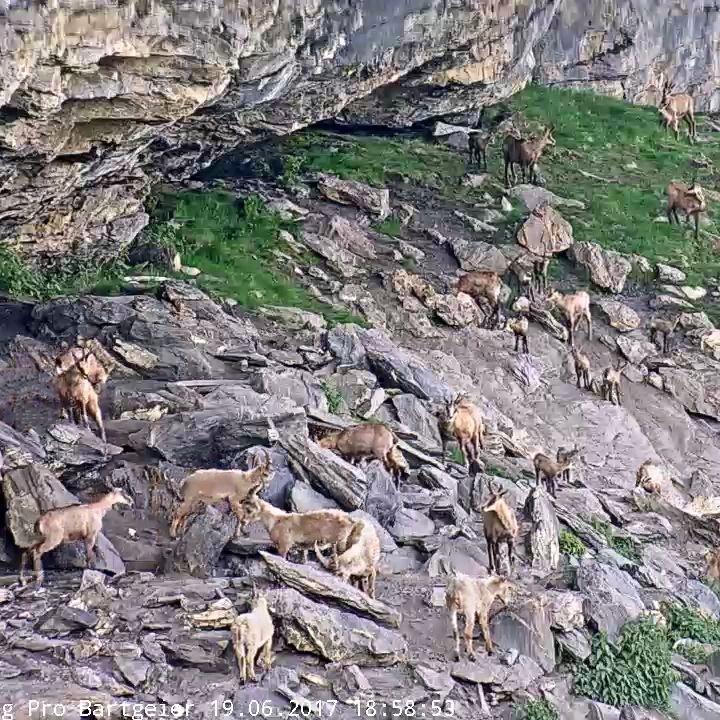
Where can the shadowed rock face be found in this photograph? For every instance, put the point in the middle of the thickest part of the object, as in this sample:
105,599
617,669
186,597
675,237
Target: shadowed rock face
99,100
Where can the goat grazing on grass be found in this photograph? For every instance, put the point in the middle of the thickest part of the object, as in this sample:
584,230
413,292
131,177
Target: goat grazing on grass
674,108
66,524
582,368
251,633
611,383
288,530
574,307
664,327
649,477
369,440
482,285
473,598
461,419
526,154
550,470
688,199
360,560
519,326
500,525
212,486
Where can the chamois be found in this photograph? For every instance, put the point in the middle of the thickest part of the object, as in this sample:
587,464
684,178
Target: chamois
611,383
519,326
550,470
500,525
582,368
712,558
472,598
65,524
574,306
674,108
564,456
252,632
649,477
212,486
483,285
525,153
689,199
464,422
478,142
664,327
540,274
78,398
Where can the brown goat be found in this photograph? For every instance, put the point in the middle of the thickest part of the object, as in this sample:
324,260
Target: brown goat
688,199
360,560
712,558
500,525
251,633
574,307
649,477
287,530
212,486
611,383
674,108
565,457
540,274
473,598
78,399
525,153
84,356
463,421
550,469
519,326
478,142
368,440
482,285
66,524
582,368
664,327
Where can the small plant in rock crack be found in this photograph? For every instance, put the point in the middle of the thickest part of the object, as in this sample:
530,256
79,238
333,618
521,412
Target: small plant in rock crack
571,544
694,653
625,546
333,396
635,670
538,710
685,622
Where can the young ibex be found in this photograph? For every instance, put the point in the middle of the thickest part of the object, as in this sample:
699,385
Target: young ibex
519,326
574,307
369,440
525,153
212,486
551,470
66,524
649,477
712,559
565,457
78,398
288,530
472,598
540,275
360,560
611,383
500,525
251,633
664,327
478,142
463,420
688,199
674,108
582,369
482,285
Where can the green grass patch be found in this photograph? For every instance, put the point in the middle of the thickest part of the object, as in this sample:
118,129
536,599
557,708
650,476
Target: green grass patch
389,226
635,670
624,546
685,622
603,136
693,652
571,544
334,397
236,246
538,710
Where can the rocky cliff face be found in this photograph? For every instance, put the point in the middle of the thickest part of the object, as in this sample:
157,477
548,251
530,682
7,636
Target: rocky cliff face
98,99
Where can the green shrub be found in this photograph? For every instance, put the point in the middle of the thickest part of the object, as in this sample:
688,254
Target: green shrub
333,395
634,671
571,544
389,226
685,622
538,710
621,545
693,652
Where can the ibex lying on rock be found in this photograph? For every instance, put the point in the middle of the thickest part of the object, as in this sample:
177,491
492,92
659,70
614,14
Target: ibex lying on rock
472,598
74,522
500,525
369,440
251,633
688,199
550,469
664,327
649,477
611,383
574,307
525,153
212,486
288,530
582,369
360,560
463,420
481,285
674,108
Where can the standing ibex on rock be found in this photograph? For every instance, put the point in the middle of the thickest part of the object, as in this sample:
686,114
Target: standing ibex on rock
251,633
500,525
664,327
582,368
574,307
462,419
551,470
688,199
525,153
611,383
482,285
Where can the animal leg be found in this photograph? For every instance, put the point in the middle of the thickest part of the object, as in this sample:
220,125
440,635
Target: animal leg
37,554
485,627
182,512
456,631
484,159
525,345
517,342
90,550
267,654
250,661
96,415
511,553
372,579
23,565
697,224
469,629
588,317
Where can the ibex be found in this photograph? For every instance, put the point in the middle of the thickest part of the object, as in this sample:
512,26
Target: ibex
526,154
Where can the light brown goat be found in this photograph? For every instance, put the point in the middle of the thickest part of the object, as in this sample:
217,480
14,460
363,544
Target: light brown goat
548,469
519,326
674,108
540,274
212,486
360,560
650,477
463,421
611,383
473,598
664,327
369,440
78,399
574,307
482,285
526,154
288,530
84,356
712,559
688,199
582,368
251,633
67,524
500,525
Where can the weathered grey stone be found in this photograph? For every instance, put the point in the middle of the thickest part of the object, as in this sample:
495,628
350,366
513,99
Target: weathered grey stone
545,232
300,386
635,349
543,539
414,414
620,316
565,609
532,196
411,526
479,255
351,192
669,274
608,269
458,555
690,705
304,498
